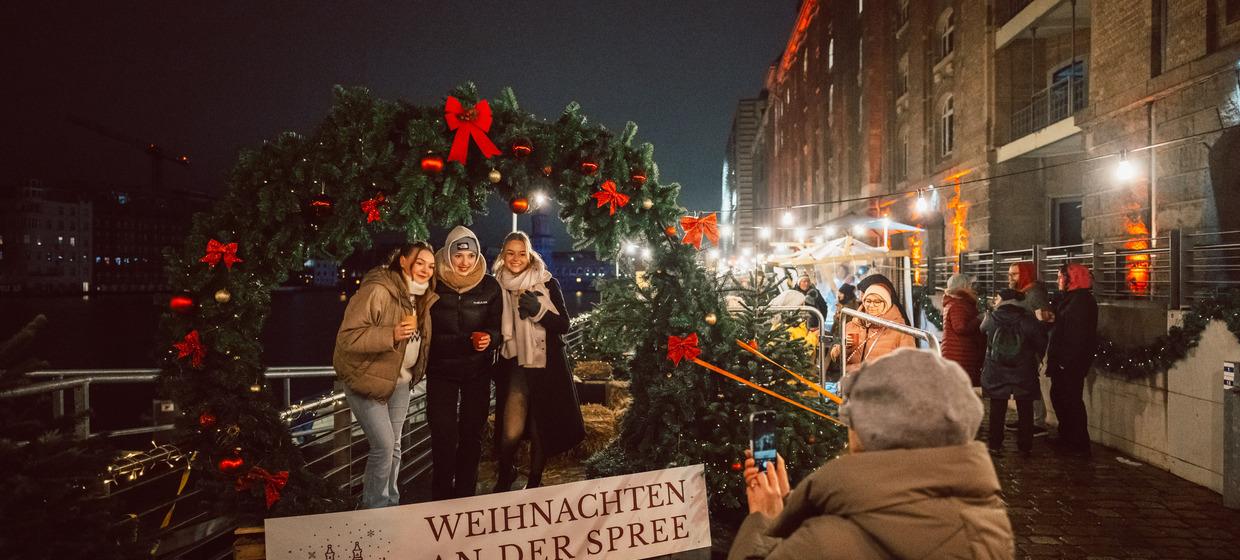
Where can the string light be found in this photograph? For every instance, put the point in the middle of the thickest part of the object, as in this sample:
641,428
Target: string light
764,233
1124,170
540,198
787,219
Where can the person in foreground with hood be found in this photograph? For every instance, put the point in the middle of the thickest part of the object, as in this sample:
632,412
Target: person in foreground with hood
381,351
1074,340
1017,342
534,392
458,385
914,484
867,341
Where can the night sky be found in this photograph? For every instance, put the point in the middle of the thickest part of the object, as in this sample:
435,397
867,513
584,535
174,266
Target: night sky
210,78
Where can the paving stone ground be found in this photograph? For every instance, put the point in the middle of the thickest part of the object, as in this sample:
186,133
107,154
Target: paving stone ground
1069,507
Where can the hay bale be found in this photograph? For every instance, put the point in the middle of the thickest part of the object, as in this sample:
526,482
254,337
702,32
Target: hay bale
593,370
601,429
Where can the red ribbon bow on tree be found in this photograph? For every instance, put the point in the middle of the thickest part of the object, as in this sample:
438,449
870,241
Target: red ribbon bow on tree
683,348
469,123
610,196
272,483
695,228
371,208
217,252
191,346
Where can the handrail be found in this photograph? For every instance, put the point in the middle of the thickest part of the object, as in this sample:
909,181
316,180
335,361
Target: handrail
822,323
930,339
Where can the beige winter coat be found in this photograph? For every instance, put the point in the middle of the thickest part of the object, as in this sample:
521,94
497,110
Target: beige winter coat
366,359
940,502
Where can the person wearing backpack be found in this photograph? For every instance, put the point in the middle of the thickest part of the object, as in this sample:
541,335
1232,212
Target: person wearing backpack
1015,342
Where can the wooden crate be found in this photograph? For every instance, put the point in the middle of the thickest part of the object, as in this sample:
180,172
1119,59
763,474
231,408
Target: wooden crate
250,544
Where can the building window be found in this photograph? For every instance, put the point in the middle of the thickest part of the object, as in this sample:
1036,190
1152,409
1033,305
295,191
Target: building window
1066,221
902,76
830,53
947,33
1233,11
947,127
902,154
903,14
1158,38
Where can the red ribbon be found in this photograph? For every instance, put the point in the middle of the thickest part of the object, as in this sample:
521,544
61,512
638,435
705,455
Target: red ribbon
609,196
217,252
272,483
371,208
695,228
683,348
469,123
192,347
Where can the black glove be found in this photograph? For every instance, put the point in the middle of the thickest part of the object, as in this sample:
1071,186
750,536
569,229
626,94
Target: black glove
528,305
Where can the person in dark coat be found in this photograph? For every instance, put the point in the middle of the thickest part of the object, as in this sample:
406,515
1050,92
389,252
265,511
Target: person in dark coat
1016,343
963,341
1074,340
813,298
458,386
535,396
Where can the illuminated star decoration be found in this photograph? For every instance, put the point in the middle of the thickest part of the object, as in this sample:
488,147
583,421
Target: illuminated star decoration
191,346
609,196
217,252
682,348
371,208
695,228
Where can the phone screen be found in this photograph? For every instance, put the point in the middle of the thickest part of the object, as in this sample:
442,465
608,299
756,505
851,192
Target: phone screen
762,437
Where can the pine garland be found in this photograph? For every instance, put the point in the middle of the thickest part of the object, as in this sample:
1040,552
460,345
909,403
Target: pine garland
1160,355
921,299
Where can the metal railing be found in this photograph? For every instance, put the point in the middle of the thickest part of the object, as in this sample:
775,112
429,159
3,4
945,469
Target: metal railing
931,340
1051,105
1171,269
821,357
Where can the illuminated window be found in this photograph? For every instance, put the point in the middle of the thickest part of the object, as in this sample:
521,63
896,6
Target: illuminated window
902,76
830,53
947,127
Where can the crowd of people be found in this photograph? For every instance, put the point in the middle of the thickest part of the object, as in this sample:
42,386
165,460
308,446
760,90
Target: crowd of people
441,316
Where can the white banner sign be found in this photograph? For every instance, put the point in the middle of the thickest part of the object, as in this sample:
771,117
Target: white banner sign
619,518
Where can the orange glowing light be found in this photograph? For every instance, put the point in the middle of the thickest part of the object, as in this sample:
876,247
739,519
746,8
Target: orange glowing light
915,247
960,213
809,9
1137,277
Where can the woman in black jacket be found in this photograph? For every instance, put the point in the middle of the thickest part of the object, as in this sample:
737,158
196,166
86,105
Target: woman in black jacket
535,397
1074,340
458,387
1015,344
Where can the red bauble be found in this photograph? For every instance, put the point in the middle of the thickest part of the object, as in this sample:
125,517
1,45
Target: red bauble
812,439
206,419
736,466
522,147
231,464
589,167
670,230
432,163
519,205
321,208
546,170
638,177
181,303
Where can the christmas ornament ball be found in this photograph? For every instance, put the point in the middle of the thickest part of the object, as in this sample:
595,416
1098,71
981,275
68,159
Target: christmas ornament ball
519,205
432,163
223,296
711,319
494,176
647,203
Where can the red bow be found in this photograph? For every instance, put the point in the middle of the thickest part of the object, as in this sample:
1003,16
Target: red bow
217,251
191,346
683,348
473,122
695,228
371,208
609,196
272,483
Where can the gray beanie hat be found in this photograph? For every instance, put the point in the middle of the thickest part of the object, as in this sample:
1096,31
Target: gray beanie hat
910,399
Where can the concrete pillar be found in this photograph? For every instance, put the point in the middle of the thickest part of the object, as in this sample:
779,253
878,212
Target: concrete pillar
1231,444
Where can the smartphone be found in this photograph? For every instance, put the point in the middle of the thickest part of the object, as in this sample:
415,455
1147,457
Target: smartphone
762,437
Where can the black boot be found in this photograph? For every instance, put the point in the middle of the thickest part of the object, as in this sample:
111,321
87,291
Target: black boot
534,480
506,476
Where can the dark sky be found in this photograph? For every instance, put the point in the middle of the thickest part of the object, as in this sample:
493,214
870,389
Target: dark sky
209,78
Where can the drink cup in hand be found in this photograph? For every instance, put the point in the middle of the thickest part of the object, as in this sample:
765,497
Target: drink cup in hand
480,340
852,339
1045,315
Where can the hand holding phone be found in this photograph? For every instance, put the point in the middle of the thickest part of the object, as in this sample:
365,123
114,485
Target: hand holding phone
762,438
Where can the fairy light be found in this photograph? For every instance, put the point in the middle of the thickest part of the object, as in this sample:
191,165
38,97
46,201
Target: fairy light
1124,170
787,219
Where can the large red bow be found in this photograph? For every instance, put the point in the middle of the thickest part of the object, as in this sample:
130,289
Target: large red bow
695,228
371,208
609,196
683,348
272,483
192,347
217,252
469,123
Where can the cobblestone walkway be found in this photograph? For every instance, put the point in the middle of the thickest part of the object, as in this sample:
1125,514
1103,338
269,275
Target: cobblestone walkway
1067,507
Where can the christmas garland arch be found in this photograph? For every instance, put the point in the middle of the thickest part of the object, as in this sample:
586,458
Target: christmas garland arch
375,165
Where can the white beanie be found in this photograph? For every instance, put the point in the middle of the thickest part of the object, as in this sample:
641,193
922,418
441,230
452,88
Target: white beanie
910,399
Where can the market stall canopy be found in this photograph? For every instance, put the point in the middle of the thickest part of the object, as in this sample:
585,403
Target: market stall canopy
842,249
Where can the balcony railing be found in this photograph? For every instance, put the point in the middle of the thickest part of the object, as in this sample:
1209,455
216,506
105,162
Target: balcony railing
1051,105
1008,10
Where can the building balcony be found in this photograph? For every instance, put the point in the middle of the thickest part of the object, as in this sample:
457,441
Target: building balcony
1043,18
1046,126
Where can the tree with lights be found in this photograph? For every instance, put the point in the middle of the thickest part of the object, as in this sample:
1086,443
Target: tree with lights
373,166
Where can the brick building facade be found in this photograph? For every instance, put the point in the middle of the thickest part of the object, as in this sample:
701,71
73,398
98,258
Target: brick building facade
1021,105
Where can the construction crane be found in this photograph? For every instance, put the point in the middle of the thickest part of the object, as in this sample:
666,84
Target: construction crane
154,151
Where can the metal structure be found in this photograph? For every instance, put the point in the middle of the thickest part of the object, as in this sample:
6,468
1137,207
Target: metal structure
931,340
822,354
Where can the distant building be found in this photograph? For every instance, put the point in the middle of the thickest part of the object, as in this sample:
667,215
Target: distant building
131,230
45,240
738,174
580,270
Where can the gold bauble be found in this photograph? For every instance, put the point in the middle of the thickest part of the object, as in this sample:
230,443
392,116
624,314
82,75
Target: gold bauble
711,319
647,203
222,296
494,176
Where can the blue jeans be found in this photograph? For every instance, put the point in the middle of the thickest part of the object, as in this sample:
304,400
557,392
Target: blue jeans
382,423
